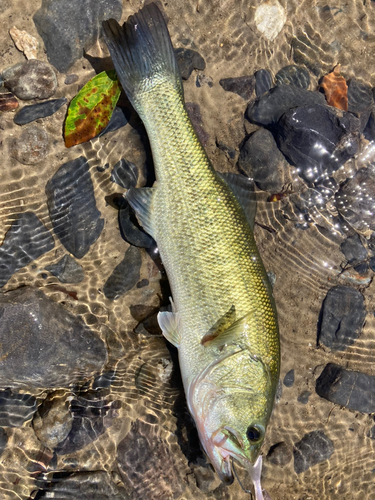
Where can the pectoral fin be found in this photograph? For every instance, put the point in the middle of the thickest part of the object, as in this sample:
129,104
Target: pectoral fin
169,322
230,335
140,199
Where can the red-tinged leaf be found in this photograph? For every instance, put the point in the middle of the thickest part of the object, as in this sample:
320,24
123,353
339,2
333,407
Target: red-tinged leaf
91,109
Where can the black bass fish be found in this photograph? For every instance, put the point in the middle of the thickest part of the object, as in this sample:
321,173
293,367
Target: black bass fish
224,321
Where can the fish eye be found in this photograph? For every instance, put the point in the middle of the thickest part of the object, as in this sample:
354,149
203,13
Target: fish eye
254,433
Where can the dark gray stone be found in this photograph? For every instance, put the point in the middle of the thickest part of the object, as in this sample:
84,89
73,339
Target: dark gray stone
43,345
372,264
230,152
354,390
68,28
289,378
314,447
96,485
261,160
353,249
41,110
263,81
341,318
204,477
280,454
104,380
16,409
304,397
155,478
188,60
3,440
361,268
72,207
293,75
125,174
369,129
243,86
26,240
131,231
31,79
267,109
355,200
360,96
118,120
317,140
67,270
125,275
31,147
92,416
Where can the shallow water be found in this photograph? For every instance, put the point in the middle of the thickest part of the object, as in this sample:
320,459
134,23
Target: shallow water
306,264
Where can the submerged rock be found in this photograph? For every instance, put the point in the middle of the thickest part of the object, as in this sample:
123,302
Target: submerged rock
293,75
354,390
3,440
342,317
316,140
26,240
280,454
355,200
131,231
97,485
31,147
16,409
267,109
353,249
314,447
360,96
263,81
41,110
70,79
57,348
92,416
261,160
188,60
243,86
68,28
158,476
8,101
72,207
125,174
289,378
307,53
31,79
67,270
304,397
270,18
118,120
125,275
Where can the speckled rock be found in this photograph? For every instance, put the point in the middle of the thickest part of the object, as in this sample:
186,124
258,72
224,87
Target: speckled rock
293,75
117,121
155,478
125,275
31,80
188,60
261,160
314,447
353,249
68,28
263,81
31,147
341,318
92,415
70,79
57,348
316,140
41,110
289,378
267,109
26,240
280,454
16,409
354,390
53,420
131,231
125,174
355,200
72,207
67,270
243,86
97,485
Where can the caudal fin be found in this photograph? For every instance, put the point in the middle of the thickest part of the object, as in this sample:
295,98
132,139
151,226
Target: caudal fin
142,51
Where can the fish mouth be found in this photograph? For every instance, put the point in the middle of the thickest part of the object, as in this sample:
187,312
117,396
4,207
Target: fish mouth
225,473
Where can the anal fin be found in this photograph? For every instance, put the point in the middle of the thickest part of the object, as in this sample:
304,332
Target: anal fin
140,199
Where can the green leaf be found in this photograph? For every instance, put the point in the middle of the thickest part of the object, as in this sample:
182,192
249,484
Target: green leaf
91,109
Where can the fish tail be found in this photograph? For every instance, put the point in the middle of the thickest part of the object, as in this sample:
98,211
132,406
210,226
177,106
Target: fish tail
142,52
